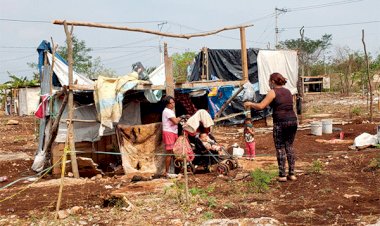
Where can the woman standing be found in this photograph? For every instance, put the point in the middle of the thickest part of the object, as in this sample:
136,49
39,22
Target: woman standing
284,123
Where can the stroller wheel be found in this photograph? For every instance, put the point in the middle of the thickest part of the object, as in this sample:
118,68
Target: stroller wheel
235,163
191,168
230,164
178,163
222,168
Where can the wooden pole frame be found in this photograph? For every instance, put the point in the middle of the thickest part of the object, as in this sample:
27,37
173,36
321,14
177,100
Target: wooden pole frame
70,126
186,36
244,60
168,72
369,80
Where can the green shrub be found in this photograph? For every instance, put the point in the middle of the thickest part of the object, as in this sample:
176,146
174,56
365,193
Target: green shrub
374,163
208,215
261,180
356,111
316,167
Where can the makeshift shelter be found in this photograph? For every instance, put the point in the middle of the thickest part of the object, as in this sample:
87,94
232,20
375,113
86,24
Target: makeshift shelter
224,64
130,114
28,99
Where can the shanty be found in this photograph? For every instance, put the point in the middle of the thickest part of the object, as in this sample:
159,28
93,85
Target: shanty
232,128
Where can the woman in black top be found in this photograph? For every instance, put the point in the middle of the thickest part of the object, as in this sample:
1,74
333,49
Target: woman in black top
284,123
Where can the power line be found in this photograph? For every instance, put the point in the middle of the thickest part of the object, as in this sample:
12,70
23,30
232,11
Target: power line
19,58
123,45
198,30
109,22
17,47
334,25
323,5
125,55
25,21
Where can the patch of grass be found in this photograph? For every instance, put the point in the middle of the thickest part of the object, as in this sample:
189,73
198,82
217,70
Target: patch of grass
208,215
316,167
19,139
356,111
229,205
374,163
260,180
203,193
211,202
176,191
325,191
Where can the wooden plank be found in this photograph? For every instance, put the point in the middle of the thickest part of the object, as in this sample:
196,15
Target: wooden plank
228,116
228,102
186,36
316,82
187,85
244,63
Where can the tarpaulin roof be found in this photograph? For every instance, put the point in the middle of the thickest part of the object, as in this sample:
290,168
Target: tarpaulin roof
226,64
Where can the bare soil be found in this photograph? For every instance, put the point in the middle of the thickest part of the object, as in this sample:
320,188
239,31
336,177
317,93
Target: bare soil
344,190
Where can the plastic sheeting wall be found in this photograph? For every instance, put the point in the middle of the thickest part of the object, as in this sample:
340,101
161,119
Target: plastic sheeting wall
28,99
89,131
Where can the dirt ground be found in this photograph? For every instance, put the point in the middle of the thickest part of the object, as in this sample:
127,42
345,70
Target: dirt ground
336,185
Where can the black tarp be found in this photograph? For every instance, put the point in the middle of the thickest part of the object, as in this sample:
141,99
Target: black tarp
225,64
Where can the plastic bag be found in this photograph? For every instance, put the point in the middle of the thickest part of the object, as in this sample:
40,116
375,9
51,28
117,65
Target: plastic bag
248,92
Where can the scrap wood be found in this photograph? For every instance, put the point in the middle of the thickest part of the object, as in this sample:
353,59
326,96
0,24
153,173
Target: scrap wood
334,141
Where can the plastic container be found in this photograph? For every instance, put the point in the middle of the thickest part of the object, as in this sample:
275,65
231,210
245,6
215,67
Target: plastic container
316,128
238,152
3,178
326,126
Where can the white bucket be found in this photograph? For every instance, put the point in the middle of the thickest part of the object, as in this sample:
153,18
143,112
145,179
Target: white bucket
327,126
316,128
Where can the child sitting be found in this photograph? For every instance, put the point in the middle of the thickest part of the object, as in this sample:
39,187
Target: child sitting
249,138
210,144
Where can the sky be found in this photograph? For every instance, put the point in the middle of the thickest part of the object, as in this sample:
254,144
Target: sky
25,23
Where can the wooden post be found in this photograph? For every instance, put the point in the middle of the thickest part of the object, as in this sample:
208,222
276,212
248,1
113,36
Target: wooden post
369,80
205,75
70,126
168,72
52,67
244,64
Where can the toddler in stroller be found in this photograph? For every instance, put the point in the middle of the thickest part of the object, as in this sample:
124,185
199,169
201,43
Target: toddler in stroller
206,151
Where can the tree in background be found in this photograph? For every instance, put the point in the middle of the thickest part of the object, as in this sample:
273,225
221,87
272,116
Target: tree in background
81,58
180,63
309,50
84,62
18,82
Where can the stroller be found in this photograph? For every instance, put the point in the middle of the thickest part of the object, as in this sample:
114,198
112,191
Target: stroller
200,157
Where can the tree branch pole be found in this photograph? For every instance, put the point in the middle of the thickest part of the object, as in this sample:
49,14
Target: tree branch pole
369,80
52,66
54,128
169,80
70,126
228,102
98,25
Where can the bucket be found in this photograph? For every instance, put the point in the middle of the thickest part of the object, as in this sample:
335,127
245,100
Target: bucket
316,128
326,126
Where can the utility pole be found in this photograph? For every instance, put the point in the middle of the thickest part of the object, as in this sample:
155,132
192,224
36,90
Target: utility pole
277,12
160,25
